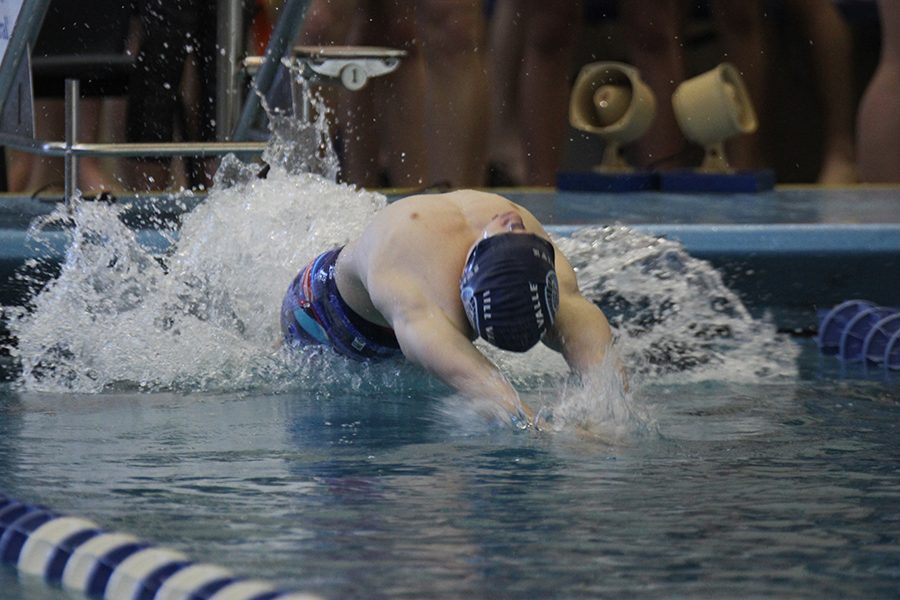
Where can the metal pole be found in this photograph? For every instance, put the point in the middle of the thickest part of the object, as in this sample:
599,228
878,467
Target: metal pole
300,99
57,148
230,34
286,30
70,160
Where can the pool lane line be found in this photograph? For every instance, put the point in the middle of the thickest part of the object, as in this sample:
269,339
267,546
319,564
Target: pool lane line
78,555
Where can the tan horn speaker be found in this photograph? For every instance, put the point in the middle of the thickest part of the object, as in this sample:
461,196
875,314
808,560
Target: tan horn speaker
610,100
711,108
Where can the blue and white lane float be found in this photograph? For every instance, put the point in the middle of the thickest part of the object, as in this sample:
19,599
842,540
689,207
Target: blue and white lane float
80,556
860,331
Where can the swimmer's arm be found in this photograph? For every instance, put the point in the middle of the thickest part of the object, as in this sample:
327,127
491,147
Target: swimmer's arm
429,339
580,332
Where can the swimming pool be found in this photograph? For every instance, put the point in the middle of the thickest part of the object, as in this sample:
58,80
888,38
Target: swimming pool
744,463
740,490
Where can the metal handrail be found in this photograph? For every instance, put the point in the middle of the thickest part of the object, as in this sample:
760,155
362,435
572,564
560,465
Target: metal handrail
124,150
285,31
351,66
70,149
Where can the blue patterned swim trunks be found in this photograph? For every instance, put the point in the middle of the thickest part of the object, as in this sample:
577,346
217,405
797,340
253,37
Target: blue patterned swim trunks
313,312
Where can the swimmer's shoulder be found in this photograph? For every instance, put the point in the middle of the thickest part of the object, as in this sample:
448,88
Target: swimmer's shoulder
457,198
427,214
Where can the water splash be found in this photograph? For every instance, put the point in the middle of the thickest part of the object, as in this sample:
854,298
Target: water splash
673,313
199,311
203,315
675,321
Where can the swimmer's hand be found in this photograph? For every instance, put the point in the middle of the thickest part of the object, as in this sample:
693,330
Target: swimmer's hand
520,421
503,413
524,418
521,417
543,419
538,422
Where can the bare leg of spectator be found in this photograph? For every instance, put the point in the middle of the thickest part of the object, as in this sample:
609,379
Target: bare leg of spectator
740,24
453,43
653,35
505,65
831,48
879,117
550,41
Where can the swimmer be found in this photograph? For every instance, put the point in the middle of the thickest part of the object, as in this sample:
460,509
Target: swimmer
429,275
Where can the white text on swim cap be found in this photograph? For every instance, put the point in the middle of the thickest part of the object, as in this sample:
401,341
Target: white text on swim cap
536,300
542,255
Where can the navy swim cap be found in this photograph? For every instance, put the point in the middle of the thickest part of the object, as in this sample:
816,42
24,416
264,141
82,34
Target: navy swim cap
509,289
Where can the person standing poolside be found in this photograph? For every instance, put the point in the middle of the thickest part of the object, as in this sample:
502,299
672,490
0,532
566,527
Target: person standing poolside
429,275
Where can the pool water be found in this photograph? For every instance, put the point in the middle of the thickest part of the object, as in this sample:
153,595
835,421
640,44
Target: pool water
781,488
150,396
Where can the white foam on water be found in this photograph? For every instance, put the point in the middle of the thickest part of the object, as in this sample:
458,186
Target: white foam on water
674,320
674,317
205,314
